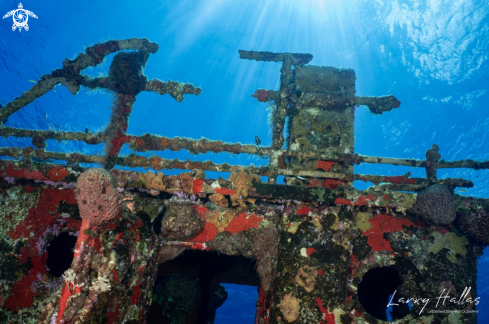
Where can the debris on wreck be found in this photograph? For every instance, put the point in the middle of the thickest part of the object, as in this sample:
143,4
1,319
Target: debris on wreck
153,247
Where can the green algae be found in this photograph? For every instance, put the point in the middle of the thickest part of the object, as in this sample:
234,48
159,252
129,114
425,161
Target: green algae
456,245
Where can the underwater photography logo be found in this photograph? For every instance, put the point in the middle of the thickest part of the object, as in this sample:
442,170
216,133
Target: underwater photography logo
464,299
20,17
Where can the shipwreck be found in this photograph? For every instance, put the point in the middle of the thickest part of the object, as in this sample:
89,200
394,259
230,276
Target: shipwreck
105,245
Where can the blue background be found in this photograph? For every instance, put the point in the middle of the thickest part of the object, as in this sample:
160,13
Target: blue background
431,54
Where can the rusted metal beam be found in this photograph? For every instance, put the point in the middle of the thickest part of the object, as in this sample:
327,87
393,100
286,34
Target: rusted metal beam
149,142
69,74
281,99
29,152
174,88
87,137
296,58
468,163
376,179
158,163
378,105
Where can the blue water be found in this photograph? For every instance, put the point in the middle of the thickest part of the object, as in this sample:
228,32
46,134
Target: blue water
390,308
431,54
239,307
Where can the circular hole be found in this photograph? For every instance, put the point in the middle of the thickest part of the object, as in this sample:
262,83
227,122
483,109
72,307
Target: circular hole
60,253
376,289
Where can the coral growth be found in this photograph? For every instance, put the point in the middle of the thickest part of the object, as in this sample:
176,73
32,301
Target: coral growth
154,181
219,200
243,222
382,224
169,252
306,278
451,241
432,157
436,204
99,202
448,287
325,165
126,72
361,221
181,222
242,182
289,305
172,183
197,186
328,317
262,244
265,250
221,219
475,224
232,244
187,183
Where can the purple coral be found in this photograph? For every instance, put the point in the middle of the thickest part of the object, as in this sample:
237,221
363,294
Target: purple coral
41,244
54,319
181,194
286,209
436,204
50,284
10,180
65,185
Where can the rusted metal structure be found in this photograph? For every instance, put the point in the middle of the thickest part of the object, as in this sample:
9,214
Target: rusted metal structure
145,243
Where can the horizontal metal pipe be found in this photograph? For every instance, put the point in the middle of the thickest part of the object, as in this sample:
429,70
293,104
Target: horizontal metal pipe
158,163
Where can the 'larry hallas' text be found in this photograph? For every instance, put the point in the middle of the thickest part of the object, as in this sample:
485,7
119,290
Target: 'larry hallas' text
445,297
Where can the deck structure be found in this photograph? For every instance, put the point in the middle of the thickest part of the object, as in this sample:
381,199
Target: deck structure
154,248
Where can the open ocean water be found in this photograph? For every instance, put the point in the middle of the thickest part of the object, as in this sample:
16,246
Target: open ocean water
431,54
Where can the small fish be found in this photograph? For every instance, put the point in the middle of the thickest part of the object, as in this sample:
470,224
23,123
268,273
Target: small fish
462,190
301,178
32,81
46,116
257,140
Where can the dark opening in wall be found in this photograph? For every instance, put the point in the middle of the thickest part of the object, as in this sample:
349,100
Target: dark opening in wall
60,253
190,288
375,291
